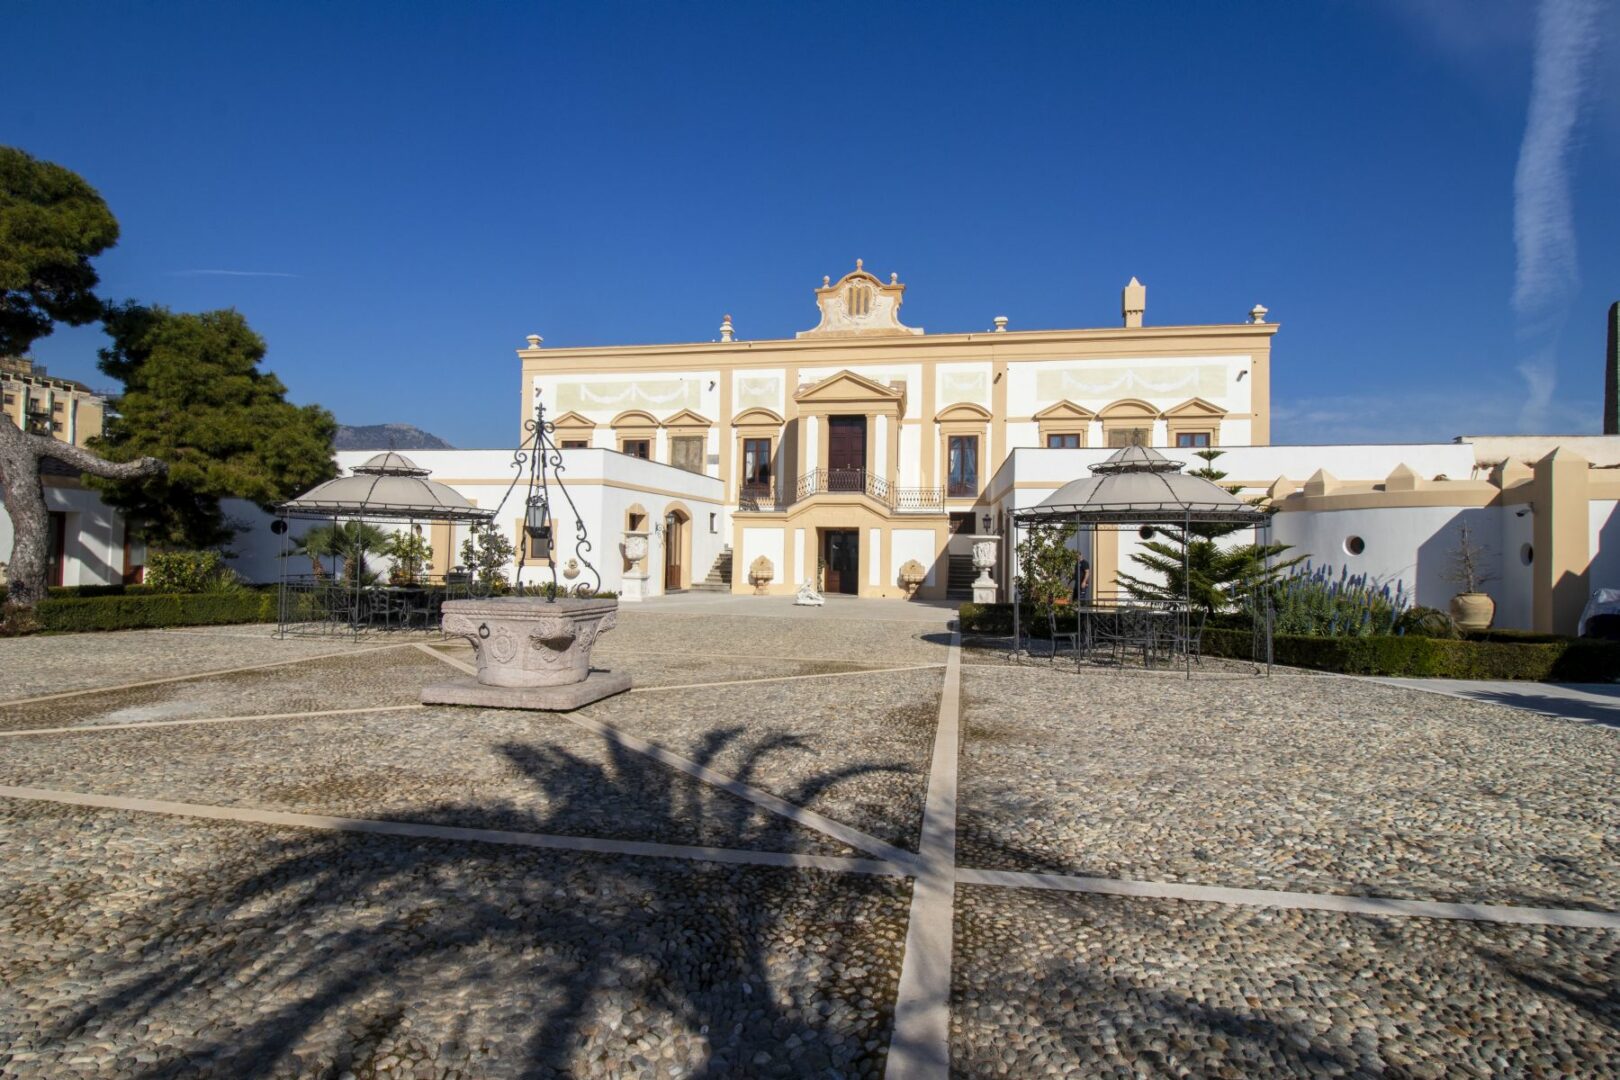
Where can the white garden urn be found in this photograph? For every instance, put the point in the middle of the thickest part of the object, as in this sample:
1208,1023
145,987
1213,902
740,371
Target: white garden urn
984,561
532,653
635,548
633,582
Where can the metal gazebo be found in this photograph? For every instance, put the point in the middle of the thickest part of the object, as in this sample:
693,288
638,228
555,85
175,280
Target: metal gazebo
387,488
1138,487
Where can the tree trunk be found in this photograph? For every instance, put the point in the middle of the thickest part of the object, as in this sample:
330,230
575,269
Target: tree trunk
24,498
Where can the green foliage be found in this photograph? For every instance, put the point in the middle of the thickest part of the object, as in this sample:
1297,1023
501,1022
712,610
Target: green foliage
1192,563
486,553
410,553
52,224
1316,603
997,619
1046,564
148,610
1564,660
194,397
350,541
1430,622
182,571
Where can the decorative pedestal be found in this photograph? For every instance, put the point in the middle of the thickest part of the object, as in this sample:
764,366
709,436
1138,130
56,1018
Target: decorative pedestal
984,561
532,653
633,583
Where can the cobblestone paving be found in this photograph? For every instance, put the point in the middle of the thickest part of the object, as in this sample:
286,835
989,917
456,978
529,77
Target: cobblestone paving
490,769
143,945
183,948
1321,785
376,677
55,663
1055,984
855,749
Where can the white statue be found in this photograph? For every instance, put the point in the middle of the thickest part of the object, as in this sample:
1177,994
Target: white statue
809,596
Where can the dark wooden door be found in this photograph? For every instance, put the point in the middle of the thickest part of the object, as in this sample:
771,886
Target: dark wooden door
672,555
841,551
846,453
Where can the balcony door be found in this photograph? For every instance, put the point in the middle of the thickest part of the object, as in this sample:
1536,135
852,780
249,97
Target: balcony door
846,453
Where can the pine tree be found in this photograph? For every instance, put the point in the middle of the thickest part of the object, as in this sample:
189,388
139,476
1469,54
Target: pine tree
1193,564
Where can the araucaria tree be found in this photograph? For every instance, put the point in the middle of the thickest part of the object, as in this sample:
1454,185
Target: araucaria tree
1193,564
51,224
194,396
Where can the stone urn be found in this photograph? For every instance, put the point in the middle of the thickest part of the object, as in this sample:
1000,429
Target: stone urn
912,575
633,583
760,573
635,548
984,561
532,653
1473,610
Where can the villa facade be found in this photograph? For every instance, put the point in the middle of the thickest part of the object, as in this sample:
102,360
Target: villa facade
862,445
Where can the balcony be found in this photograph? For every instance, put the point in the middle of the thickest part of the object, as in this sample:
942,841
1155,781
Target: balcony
764,498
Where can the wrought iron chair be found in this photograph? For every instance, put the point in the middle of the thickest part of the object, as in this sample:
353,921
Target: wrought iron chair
1073,637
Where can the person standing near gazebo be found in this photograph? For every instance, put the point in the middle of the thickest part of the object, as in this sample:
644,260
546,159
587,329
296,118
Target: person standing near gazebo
1082,579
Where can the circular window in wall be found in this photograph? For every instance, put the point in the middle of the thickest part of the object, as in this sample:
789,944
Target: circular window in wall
1527,554
1354,545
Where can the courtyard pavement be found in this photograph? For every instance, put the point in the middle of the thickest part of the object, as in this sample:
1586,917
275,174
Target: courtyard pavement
834,842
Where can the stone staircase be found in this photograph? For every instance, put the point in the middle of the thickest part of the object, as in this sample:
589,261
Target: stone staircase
719,579
959,581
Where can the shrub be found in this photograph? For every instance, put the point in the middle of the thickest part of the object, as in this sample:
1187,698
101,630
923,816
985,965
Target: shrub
1316,603
153,610
1561,660
182,571
1426,622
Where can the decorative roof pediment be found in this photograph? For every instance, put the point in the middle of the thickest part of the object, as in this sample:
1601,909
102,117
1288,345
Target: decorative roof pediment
687,418
573,420
1196,407
847,388
1129,409
757,417
859,305
962,410
1065,410
635,418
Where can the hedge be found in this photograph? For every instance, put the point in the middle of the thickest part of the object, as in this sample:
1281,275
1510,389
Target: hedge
149,610
1563,660
1498,654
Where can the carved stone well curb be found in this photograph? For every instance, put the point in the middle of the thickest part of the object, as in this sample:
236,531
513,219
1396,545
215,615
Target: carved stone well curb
532,653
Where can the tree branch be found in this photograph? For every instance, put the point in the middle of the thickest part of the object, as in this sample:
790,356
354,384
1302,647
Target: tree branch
85,461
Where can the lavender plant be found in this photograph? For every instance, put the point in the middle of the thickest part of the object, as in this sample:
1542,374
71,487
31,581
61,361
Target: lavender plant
1319,603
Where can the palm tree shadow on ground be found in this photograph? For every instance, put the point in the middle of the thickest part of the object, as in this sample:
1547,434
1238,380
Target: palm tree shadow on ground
323,953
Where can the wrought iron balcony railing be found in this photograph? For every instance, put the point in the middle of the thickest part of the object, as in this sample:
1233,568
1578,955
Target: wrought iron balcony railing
767,497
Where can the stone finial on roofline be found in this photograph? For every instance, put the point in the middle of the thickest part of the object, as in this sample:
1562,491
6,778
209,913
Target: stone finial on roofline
1001,324
535,340
725,329
1321,482
1402,478
1257,314
1133,302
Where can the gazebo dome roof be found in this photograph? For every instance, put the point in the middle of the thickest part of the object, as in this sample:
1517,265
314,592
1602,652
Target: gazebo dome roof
388,485
1137,485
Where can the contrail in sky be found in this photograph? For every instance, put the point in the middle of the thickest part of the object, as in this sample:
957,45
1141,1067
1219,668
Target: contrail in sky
1543,224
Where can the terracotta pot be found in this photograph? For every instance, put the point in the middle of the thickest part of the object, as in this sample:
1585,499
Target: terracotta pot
1473,610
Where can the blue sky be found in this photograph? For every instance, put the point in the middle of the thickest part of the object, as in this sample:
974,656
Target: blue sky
394,195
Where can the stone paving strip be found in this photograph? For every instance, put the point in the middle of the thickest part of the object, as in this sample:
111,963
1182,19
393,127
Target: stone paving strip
381,677
1064,984
173,947
908,642
853,748
482,769
75,729
1335,786
48,664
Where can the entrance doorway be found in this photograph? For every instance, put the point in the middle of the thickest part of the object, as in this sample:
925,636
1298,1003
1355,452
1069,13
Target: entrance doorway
841,552
846,453
674,538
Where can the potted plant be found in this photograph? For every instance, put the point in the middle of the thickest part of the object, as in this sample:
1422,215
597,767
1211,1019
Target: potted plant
1471,609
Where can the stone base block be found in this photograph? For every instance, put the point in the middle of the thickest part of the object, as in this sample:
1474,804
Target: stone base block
984,594
566,698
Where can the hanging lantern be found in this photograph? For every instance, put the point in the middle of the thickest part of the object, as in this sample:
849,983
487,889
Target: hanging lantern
537,523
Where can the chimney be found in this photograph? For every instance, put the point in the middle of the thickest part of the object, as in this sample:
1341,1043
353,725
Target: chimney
1133,302
1611,374
725,328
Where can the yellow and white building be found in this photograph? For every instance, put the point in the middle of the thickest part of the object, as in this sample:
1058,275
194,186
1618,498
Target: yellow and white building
863,444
